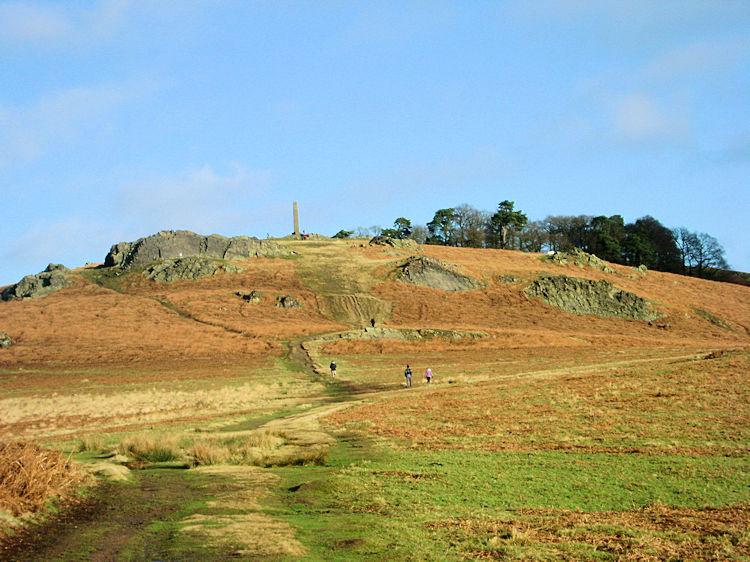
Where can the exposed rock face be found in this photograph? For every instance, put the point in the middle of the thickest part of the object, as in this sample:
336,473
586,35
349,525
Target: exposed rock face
166,271
584,296
286,301
5,340
581,259
183,243
431,272
53,278
399,244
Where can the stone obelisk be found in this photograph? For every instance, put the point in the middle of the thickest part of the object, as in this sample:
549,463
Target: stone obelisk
296,221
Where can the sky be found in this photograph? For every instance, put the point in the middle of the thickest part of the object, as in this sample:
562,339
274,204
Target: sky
121,118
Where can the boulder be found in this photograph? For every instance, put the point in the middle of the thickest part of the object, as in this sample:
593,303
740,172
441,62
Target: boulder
53,278
584,296
398,243
285,301
183,243
580,258
5,340
435,273
253,296
168,270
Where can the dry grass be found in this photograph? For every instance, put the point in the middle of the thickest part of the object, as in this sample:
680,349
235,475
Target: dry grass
258,448
656,532
145,447
696,407
31,476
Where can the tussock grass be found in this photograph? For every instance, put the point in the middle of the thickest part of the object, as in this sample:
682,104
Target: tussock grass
258,448
92,443
31,476
151,447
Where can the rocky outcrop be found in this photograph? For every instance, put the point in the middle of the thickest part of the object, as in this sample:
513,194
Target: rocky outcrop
584,296
183,243
397,243
5,340
581,259
435,273
53,278
166,271
285,301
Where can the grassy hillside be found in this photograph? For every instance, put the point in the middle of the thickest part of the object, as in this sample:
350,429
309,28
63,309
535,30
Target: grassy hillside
544,433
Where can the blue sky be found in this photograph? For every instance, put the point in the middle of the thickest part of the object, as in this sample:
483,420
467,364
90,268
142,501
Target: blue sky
122,118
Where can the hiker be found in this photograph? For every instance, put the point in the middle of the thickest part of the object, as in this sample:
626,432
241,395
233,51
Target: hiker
407,374
372,321
333,368
428,375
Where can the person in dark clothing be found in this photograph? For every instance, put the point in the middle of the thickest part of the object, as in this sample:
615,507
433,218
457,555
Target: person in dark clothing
333,368
407,374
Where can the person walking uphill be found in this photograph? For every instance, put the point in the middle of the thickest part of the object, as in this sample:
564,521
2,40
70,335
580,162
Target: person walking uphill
333,368
407,374
428,374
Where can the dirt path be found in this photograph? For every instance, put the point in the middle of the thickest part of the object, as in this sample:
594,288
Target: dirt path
216,511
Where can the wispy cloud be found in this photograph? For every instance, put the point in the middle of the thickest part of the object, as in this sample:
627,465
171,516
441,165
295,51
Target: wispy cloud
70,241
699,59
638,118
199,199
29,131
34,23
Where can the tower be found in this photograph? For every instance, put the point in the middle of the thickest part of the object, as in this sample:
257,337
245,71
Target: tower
296,220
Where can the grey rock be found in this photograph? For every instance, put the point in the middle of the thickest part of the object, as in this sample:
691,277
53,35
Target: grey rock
5,340
53,278
585,296
253,296
183,243
435,273
285,301
581,259
168,270
399,244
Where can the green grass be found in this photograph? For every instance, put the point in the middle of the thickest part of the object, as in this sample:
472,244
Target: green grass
393,504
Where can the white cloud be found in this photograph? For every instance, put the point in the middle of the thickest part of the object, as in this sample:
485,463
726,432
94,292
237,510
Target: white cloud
200,199
637,118
28,132
70,242
698,59
54,24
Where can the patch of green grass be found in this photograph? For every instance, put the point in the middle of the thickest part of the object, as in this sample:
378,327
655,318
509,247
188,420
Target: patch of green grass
713,319
392,503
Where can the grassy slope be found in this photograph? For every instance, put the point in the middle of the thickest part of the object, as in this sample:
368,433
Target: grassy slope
554,417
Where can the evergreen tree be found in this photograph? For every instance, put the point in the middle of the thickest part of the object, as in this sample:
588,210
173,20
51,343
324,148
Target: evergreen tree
503,224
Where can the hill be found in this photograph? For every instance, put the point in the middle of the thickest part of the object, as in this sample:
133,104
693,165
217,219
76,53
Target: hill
532,354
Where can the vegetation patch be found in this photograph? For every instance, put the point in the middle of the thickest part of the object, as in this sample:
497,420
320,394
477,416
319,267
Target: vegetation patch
31,477
713,319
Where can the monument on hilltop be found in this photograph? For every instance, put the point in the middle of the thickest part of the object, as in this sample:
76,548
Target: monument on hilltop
296,233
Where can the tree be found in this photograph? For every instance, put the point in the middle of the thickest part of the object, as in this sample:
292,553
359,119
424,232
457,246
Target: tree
442,227
605,237
343,234
533,237
471,226
503,224
663,254
403,228
419,234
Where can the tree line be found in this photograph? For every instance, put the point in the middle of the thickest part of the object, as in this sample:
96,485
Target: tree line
643,242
